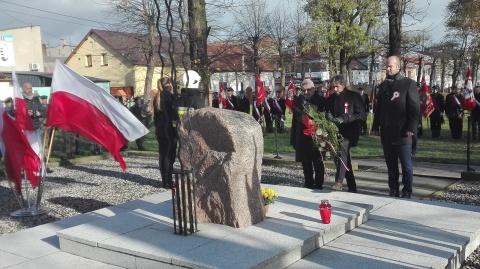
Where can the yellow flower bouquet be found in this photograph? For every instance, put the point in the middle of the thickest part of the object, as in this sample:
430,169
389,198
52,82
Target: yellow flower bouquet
268,195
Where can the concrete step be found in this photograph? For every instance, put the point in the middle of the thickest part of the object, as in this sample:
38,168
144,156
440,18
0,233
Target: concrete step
404,234
144,238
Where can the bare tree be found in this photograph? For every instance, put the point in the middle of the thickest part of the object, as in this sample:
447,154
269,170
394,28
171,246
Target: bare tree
252,21
280,32
139,17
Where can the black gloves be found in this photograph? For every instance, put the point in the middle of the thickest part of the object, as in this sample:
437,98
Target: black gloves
328,116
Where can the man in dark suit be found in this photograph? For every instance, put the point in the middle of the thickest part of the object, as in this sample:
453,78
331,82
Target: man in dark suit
436,118
232,102
475,115
278,110
243,102
266,113
348,111
454,110
305,151
396,120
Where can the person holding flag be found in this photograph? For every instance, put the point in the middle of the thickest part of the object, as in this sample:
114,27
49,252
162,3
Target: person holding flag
258,99
436,117
290,96
469,101
455,111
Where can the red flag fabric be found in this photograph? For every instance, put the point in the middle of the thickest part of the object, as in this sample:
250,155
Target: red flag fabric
222,100
260,90
469,101
15,149
32,162
290,95
426,102
80,106
330,90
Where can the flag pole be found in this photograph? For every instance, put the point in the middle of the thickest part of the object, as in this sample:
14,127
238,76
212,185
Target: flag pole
18,196
44,166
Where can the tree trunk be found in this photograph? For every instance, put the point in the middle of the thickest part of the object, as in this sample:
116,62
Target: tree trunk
198,32
396,10
343,62
372,68
150,60
420,69
443,63
433,73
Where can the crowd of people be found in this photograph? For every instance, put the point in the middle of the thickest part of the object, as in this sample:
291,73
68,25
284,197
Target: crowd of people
397,120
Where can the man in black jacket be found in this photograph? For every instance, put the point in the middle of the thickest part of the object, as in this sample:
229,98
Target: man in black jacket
366,105
396,119
305,151
455,112
35,110
436,118
278,111
348,111
243,102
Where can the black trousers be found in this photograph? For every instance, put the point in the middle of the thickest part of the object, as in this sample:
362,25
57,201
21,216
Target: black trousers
435,127
342,170
456,127
308,171
167,150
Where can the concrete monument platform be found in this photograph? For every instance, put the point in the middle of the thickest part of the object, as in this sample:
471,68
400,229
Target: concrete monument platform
366,231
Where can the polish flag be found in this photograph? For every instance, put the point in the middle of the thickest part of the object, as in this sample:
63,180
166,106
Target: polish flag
222,100
21,111
426,102
469,101
32,163
260,90
16,150
290,95
80,106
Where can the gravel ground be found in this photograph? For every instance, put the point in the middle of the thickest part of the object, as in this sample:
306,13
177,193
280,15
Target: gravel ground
78,189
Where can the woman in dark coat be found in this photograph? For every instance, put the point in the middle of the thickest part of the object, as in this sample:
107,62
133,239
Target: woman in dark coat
165,119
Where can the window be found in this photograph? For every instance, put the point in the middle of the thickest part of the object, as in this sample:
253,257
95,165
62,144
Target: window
88,60
104,60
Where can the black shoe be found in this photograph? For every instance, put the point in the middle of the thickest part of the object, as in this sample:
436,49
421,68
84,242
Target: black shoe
316,187
49,170
407,195
394,193
352,190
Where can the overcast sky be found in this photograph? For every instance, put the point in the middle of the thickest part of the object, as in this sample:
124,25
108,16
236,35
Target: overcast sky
91,14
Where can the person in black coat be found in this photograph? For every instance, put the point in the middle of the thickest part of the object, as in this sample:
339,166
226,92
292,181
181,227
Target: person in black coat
278,110
35,110
215,100
436,117
140,113
454,111
366,105
396,120
305,150
243,102
165,119
232,102
347,110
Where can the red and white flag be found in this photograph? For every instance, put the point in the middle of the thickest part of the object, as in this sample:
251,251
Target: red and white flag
32,163
80,106
469,101
290,95
260,90
222,100
16,151
426,101
21,111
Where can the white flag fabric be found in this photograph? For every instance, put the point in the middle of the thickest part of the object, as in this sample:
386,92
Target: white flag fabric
80,106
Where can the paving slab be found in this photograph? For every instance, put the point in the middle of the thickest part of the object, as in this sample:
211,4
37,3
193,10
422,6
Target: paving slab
404,234
293,223
60,260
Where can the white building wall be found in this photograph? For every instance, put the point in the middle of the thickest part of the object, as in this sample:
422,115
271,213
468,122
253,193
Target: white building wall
27,43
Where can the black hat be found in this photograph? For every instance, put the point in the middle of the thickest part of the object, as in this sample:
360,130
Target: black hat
43,97
8,100
278,91
454,87
136,99
229,89
242,91
360,88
